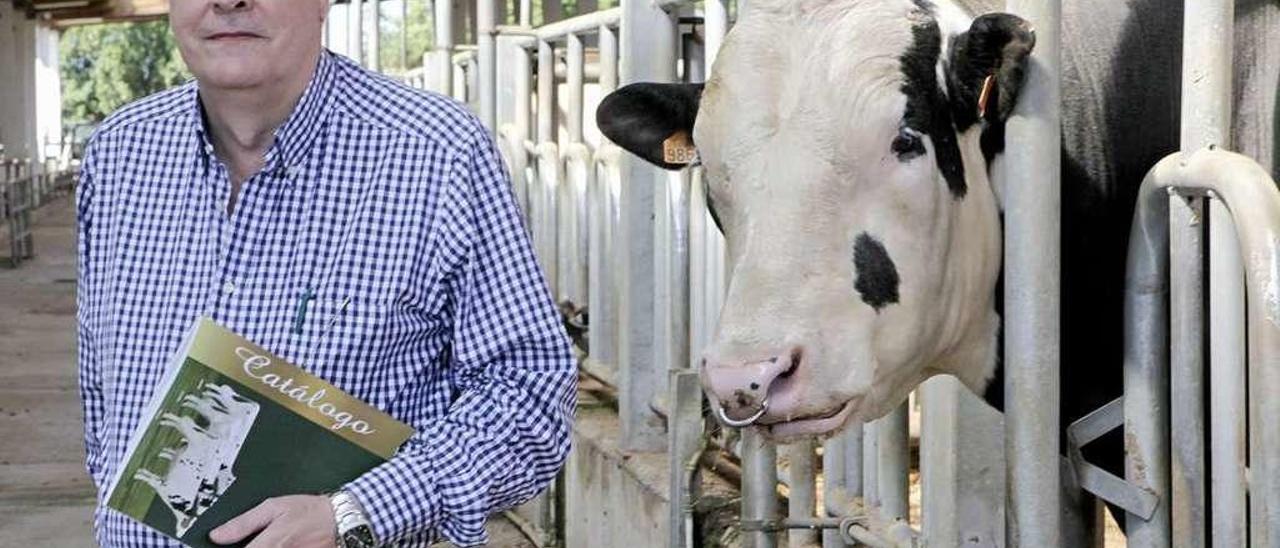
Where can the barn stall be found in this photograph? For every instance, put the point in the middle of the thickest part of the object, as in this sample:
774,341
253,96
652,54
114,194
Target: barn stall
639,266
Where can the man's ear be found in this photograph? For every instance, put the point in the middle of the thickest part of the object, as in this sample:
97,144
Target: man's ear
996,45
652,121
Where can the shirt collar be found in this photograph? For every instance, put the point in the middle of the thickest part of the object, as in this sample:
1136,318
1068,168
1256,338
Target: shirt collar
293,139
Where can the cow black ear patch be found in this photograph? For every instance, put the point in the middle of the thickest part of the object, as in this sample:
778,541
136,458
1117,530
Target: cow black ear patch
876,277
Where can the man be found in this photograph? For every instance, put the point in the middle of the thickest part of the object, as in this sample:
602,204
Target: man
287,176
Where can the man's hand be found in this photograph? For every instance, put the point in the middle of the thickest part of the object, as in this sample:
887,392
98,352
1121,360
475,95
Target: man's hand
295,521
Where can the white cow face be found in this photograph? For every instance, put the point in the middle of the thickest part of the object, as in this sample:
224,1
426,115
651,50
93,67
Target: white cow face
845,160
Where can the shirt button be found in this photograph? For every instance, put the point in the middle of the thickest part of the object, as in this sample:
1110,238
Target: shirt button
229,288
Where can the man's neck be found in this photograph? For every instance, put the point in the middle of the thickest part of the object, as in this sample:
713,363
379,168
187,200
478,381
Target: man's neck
242,123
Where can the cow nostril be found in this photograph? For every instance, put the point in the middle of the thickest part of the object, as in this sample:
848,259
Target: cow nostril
795,363
755,386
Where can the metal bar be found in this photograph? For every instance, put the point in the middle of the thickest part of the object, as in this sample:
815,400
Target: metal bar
1186,381
375,38
685,426
608,45
1146,368
355,36
759,487
833,481
894,463
1032,264
649,45
871,464
526,12
443,51
404,35
1250,195
553,32
521,68
715,24
802,501
1227,384
602,266
486,20
575,59
1206,120
573,244
544,221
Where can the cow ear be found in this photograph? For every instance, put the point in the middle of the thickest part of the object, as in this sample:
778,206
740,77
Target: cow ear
996,46
652,121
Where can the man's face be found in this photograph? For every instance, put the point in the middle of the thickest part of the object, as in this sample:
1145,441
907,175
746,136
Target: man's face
238,44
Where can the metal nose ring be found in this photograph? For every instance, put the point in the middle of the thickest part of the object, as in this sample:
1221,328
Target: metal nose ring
764,406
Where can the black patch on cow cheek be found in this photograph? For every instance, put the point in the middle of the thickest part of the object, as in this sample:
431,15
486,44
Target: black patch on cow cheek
876,277
928,110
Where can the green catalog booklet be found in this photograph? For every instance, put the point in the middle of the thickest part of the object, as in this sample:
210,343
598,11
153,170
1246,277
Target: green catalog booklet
231,425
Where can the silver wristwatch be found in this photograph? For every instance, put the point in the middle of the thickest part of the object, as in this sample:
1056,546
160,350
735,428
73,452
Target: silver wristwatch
353,529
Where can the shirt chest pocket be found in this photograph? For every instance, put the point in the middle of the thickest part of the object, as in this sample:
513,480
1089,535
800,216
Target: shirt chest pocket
343,340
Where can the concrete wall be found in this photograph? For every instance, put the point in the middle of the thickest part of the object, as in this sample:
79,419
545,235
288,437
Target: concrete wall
30,88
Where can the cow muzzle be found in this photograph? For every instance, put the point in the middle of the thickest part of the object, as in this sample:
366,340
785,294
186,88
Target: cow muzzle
742,390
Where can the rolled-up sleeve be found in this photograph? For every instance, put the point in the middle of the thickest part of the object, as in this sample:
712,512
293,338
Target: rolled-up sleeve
507,434
88,364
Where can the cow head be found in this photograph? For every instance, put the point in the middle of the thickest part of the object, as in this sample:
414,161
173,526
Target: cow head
845,145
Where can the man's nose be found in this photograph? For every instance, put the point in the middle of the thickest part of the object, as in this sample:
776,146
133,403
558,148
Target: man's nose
231,5
743,388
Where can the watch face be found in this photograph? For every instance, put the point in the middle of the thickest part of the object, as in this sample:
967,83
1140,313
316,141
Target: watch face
358,537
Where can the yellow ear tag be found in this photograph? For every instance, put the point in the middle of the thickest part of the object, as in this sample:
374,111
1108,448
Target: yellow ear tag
987,85
679,149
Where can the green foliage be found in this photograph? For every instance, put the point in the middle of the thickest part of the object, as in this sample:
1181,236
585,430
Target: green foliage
421,33
107,66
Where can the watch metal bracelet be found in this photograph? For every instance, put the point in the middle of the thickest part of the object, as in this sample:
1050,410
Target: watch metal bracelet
353,528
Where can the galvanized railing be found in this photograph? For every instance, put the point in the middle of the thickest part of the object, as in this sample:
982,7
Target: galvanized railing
22,190
635,246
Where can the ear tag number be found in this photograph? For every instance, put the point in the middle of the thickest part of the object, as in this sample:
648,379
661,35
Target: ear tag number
987,85
679,149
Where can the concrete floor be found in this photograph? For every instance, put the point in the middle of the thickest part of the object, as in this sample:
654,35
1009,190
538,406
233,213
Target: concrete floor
46,497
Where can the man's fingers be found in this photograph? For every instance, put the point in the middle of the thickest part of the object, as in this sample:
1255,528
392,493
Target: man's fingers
246,524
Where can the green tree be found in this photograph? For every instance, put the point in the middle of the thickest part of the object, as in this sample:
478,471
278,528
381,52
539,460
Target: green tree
420,28
107,66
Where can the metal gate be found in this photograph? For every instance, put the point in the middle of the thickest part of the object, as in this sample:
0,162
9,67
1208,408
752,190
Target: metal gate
615,234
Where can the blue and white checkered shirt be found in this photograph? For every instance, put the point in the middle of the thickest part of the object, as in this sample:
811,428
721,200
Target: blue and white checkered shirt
393,207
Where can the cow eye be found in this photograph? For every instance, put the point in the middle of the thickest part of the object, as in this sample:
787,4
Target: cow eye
908,145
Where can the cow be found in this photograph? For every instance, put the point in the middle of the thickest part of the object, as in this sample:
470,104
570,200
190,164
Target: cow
847,147
200,466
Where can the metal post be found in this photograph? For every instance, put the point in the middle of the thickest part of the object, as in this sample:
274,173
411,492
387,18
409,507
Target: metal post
1227,384
833,480
522,68
1032,260
1250,195
486,20
759,490
962,470
649,45
375,38
544,218
443,50
574,60
602,269
404,35
802,501
355,36
685,442
871,464
893,463
1206,120
324,31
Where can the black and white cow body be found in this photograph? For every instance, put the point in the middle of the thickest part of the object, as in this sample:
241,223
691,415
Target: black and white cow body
846,157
